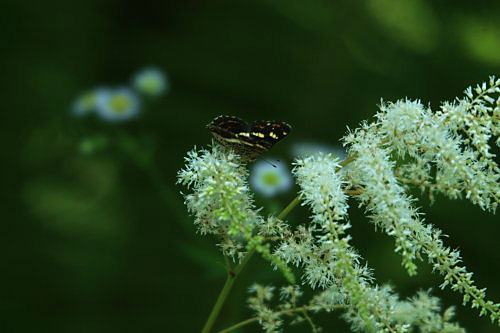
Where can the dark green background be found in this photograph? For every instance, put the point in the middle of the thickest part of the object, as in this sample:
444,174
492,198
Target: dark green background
102,242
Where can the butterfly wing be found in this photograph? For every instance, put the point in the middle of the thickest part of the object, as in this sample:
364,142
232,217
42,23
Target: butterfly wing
228,126
248,140
269,132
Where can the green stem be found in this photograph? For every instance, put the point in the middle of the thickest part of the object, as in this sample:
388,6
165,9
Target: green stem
240,324
231,278
348,160
251,320
302,309
289,208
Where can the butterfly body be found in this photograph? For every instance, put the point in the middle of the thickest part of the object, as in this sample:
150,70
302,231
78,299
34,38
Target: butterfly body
249,140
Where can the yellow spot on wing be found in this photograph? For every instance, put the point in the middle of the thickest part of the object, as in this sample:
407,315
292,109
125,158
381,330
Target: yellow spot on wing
260,135
272,135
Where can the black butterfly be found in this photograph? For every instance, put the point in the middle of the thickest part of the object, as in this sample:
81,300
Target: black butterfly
248,140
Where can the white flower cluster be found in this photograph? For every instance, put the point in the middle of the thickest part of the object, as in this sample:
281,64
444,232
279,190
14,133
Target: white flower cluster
323,249
222,204
269,319
220,200
435,142
422,311
322,190
432,143
389,207
444,152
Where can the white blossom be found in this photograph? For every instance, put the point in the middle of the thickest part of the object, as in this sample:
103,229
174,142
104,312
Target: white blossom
270,179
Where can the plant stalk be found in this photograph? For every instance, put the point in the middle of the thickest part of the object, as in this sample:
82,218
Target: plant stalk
233,275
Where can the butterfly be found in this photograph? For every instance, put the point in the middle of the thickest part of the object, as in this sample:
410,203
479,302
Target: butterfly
248,140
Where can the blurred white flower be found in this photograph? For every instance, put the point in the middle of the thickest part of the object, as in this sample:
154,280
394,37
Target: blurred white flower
117,104
85,103
269,180
306,149
151,81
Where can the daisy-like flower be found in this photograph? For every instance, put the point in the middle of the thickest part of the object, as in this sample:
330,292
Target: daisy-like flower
269,180
151,82
85,103
305,149
117,104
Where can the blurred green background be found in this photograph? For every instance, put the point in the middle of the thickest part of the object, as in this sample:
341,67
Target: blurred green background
101,242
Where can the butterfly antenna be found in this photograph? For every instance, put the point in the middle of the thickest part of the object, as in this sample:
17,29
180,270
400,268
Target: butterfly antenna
273,165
